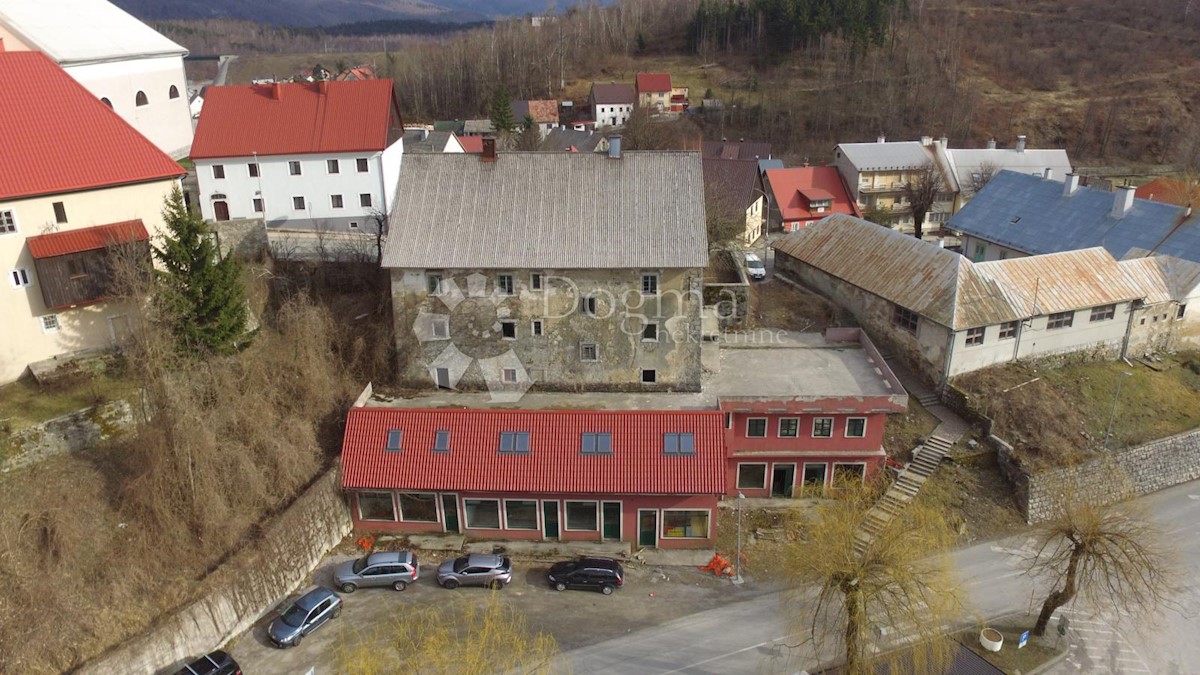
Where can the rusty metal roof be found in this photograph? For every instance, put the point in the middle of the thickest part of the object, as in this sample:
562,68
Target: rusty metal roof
1162,277
948,288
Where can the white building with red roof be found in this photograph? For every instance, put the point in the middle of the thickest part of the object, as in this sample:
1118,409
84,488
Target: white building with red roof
75,179
126,64
312,159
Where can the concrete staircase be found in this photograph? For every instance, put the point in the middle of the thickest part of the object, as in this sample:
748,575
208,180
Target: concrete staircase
926,459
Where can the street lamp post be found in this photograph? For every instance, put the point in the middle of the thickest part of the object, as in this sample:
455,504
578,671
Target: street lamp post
737,561
1116,400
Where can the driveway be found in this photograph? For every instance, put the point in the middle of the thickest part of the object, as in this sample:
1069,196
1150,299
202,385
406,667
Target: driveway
650,597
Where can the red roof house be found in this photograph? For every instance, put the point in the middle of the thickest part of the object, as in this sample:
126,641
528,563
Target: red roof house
470,144
1167,191
653,83
807,194
639,476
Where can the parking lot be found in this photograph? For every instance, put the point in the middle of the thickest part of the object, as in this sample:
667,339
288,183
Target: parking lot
371,618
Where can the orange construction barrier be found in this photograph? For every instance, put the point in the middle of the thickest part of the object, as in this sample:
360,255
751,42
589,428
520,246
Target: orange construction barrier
718,566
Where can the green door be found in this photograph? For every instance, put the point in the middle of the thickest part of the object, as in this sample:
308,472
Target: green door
648,528
611,511
450,512
550,519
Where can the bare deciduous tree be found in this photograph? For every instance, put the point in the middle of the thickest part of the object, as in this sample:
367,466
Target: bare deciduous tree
980,177
902,579
1110,555
921,192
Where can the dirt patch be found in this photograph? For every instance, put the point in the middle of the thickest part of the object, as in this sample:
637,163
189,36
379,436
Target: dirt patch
1059,416
905,432
976,498
776,304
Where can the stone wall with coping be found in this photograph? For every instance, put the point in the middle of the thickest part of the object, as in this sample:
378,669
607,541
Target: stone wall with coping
243,589
72,432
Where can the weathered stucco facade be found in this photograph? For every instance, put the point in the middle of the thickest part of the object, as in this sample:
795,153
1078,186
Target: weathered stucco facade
548,333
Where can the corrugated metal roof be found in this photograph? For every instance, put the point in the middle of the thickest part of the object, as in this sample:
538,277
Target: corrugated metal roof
82,31
891,155
653,82
1163,277
419,140
948,288
1032,215
729,186
737,150
542,210
790,186
86,239
554,464
966,162
58,137
477,127
613,93
240,121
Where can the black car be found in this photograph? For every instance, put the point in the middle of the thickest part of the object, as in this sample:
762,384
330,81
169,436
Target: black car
213,663
587,573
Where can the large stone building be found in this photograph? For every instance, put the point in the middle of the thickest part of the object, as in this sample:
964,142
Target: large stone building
576,271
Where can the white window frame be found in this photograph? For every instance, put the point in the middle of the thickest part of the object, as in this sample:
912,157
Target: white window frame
466,513
779,428
535,281
766,426
595,349
336,202
814,426
400,509
662,524
566,521
256,203
1103,313
47,329
974,337
332,166
825,479
738,476
20,277
537,515
358,506
361,162
366,200
1015,325
218,168
8,216
295,164
834,465
646,276
1069,316
303,203
511,285
253,169
846,430
537,328
508,375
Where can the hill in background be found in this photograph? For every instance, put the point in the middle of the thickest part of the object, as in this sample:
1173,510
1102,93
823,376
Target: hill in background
330,12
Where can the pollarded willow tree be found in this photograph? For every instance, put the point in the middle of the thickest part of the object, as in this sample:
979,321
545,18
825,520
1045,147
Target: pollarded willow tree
900,582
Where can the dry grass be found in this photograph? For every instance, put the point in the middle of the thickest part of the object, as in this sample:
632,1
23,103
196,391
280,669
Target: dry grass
905,432
776,304
1060,415
975,497
25,402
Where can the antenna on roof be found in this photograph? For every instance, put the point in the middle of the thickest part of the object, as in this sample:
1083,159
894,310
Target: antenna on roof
1037,282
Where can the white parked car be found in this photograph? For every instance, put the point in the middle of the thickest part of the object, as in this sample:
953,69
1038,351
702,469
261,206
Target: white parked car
755,267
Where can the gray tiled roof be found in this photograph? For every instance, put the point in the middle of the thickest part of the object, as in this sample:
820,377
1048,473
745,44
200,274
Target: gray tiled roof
736,150
1032,215
417,140
1031,161
613,93
564,139
543,210
887,156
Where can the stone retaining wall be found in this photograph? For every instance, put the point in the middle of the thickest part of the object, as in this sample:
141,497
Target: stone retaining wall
72,432
243,589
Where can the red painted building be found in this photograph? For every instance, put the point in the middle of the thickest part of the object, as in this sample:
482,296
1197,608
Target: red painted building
649,478
804,195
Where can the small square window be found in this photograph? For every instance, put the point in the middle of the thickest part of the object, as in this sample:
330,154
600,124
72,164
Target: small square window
364,200
504,283
441,328
650,332
856,427
975,336
50,323
294,168
218,171
649,284
298,203
252,167
362,164
335,201
905,319
756,427
823,427
789,427
8,222
353,225
1060,320
1104,312
331,165
508,375
536,327
60,211
1008,330
649,376
589,352
394,439
20,278
433,284
441,441
508,330
535,281
258,205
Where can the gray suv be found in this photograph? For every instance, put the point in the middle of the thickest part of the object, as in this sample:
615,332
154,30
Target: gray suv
477,569
308,613
397,569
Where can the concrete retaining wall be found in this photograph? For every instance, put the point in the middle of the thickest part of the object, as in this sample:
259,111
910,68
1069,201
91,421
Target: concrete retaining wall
1140,470
243,589
72,432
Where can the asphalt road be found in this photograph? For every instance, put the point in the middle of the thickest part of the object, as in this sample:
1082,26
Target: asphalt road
752,637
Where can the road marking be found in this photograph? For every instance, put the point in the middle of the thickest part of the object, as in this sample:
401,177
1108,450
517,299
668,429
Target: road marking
726,655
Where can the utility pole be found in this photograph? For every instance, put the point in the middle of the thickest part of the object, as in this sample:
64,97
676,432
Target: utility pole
737,561
1116,400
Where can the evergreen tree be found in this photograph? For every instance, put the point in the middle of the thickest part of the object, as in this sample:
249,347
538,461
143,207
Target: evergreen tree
503,120
200,291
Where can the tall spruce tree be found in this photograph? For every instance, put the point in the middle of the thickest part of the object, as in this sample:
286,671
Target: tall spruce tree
200,291
503,120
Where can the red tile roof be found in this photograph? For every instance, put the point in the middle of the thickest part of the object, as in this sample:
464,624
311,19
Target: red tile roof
653,82
1165,190
471,144
58,137
554,463
793,188
86,239
296,118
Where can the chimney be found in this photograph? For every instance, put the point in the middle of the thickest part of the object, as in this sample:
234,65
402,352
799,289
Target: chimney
424,133
1070,185
1048,174
991,144
489,149
1020,144
276,90
927,140
614,146
881,139
1122,201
